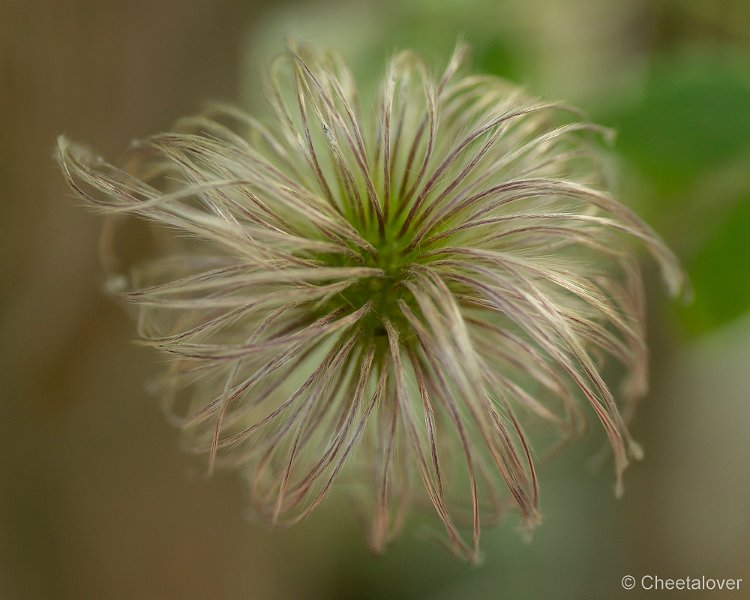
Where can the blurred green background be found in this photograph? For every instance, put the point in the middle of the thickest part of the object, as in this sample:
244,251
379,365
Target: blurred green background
96,498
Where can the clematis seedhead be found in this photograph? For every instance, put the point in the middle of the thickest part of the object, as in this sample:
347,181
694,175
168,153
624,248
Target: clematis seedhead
385,295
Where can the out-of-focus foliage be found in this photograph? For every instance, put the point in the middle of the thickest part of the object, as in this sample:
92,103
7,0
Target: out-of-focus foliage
688,122
687,136
720,272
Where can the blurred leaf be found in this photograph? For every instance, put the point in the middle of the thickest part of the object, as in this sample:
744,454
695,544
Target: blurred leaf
687,122
720,273
499,57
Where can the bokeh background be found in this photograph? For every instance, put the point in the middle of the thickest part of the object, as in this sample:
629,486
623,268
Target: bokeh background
98,501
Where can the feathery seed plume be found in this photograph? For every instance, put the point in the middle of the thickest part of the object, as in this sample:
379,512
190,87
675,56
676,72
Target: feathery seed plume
386,294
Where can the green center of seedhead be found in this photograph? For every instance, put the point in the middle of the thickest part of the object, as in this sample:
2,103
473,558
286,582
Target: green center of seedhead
383,292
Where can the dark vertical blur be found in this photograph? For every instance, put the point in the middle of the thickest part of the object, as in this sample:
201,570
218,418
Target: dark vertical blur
97,500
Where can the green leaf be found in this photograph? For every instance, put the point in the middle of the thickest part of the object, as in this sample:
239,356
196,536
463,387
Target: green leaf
720,273
688,122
